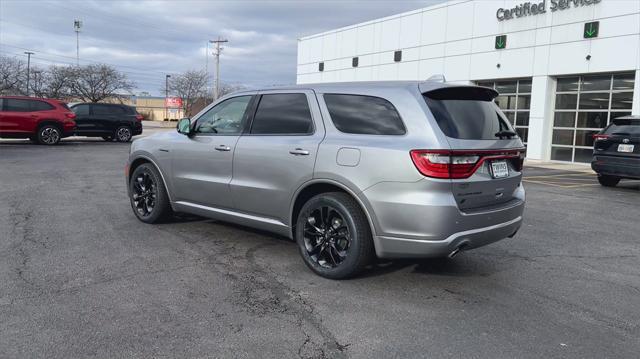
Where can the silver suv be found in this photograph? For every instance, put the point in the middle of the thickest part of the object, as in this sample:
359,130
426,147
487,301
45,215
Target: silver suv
350,171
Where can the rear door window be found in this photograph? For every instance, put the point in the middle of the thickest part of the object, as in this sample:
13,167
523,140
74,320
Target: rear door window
364,115
283,114
106,110
467,113
17,105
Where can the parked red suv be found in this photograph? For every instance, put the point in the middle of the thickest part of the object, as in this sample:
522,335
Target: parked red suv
42,120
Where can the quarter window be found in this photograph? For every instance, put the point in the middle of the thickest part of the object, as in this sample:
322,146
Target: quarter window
40,106
283,114
224,118
364,115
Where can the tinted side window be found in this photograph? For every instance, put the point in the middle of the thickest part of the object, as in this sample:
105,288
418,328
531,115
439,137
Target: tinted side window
1,104
81,110
285,114
16,105
224,118
364,115
106,110
40,106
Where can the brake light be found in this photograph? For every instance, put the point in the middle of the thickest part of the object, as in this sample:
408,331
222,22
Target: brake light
460,164
70,115
599,136
139,117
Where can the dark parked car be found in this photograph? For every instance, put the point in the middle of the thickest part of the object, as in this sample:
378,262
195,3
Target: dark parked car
109,121
616,151
42,120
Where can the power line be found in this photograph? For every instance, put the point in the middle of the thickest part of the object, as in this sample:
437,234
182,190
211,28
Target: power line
85,60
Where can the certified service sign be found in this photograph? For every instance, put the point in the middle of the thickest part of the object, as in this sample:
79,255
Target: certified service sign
533,8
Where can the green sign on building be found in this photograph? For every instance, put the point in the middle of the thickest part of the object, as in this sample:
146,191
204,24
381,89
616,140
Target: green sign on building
591,29
501,42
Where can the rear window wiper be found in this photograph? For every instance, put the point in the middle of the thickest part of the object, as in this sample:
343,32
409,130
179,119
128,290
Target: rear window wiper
505,133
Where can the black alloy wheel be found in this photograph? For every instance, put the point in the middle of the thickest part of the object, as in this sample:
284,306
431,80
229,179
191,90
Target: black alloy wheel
144,194
326,237
334,236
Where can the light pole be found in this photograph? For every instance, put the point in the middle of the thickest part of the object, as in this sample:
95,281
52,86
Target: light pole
28,53
217,55
166,96
77,25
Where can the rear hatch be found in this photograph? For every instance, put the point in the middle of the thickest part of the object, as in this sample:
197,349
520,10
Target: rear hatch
486,155
620,139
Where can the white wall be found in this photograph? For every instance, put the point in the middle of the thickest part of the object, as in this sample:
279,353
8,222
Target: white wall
456,39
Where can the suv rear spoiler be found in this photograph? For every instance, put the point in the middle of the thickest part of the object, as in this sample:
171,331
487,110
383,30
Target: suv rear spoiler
462,93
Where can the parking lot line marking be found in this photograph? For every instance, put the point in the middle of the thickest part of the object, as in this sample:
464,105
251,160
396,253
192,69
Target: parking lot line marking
563,175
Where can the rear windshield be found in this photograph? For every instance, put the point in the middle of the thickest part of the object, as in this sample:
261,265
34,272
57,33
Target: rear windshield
620,126
467,113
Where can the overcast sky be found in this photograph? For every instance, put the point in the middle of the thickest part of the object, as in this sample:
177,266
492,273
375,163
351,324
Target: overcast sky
147,39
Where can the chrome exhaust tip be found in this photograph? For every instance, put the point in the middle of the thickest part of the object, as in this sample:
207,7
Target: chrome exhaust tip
458,249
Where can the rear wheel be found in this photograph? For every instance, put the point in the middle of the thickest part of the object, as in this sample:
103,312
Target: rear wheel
49,135
123,134
608,181
147,194
333,236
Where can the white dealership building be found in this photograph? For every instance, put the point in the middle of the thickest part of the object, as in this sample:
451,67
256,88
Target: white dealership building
564,68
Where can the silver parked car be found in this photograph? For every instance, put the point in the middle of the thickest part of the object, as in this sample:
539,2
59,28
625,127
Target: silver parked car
350,171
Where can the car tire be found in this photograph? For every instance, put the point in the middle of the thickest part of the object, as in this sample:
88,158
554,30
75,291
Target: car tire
107,138
608,181
333,236
148,195
123,134
49,135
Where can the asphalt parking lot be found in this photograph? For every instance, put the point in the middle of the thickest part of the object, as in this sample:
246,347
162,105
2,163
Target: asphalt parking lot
81,277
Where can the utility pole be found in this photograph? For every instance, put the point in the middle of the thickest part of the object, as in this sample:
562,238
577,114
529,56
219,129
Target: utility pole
28,53
166,96
77,25
206,68
217,55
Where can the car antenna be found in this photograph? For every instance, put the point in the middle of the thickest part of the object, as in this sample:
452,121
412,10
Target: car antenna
437,78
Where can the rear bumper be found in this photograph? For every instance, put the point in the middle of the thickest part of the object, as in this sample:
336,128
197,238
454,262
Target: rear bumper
137,129
392,247
422,219
626,167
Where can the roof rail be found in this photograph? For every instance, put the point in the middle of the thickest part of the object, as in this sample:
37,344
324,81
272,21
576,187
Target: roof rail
437,78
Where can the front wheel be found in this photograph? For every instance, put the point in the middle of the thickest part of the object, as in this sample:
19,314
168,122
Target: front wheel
123,134
49,135
333,236
608,181
148,196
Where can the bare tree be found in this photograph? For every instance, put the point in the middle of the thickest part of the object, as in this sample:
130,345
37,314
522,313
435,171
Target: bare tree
12,76
190,86
94,83
227,88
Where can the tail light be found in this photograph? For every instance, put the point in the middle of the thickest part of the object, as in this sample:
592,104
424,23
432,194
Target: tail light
599,136
139,117
461,164
70,115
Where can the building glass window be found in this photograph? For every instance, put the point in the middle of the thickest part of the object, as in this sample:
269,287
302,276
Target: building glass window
515,101
585,105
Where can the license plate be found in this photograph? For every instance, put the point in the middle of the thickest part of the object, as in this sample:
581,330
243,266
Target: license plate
499,169
625,148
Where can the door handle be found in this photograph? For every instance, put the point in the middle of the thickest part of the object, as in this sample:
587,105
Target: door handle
299,152
223,148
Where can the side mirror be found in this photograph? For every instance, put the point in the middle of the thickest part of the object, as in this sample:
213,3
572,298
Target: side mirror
184,126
